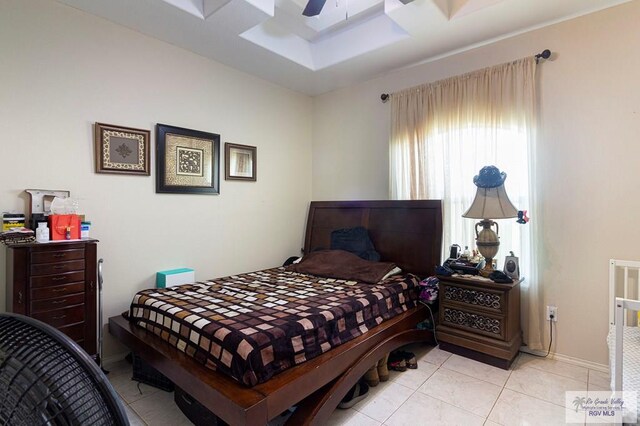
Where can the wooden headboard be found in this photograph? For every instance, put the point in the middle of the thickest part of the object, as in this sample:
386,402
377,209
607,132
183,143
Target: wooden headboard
408,233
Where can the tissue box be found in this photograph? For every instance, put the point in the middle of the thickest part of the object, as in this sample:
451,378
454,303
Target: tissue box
59,224
85,227
173,277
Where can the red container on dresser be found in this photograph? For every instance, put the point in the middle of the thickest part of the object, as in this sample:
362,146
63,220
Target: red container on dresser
61,224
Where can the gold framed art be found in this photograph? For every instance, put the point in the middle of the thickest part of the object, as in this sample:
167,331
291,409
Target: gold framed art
121,150
240,162
188,161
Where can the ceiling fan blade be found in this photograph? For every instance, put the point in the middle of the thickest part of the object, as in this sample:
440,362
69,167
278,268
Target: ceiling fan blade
314,7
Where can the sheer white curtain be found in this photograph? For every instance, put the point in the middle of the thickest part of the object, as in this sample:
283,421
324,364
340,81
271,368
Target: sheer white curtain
443,133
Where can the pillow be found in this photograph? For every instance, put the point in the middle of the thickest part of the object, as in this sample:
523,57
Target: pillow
342,265
355,240
394,271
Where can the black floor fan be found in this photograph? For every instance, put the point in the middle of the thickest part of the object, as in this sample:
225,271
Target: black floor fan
47,379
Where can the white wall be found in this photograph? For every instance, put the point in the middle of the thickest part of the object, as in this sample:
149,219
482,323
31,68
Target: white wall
61,70
587,157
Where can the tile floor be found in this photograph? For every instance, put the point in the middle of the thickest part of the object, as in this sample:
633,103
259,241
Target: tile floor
446,389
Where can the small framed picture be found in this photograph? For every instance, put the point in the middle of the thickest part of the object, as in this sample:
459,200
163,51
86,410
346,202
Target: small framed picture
512,267
240,162
122,150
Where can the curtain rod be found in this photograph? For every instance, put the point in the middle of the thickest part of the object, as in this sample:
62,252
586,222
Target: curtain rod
545,54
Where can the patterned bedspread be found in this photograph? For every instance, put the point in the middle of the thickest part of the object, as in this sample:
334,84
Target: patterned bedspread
255,325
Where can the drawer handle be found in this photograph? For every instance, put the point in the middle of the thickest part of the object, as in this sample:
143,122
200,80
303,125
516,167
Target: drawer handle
58,267
59,290
58,278
59,317
57,302
59,255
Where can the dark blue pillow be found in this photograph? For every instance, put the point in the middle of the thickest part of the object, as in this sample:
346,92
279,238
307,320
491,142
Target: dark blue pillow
355,240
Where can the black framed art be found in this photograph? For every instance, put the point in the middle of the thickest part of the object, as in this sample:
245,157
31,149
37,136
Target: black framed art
240,162
512,266
121,150
187,161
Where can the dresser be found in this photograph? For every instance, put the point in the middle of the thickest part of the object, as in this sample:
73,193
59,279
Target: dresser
56,283
480,319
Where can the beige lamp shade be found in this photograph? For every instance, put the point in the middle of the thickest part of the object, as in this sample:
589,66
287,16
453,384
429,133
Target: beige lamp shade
491,203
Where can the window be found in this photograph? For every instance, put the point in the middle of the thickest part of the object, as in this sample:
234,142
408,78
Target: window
443,133
454,158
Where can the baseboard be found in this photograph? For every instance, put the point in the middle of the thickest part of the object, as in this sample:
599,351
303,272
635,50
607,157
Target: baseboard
604,368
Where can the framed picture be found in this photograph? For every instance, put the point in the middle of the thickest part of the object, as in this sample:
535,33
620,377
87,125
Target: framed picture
121,150
188,161
240,162
512,267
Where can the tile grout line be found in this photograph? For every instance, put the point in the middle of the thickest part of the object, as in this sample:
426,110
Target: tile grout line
127,403
555,374
439,367
535,397
447,402
387,418
532,396
515,364
401,405
137,414
540,399
476,378
486,418
461,408
400,384
494,405
455,406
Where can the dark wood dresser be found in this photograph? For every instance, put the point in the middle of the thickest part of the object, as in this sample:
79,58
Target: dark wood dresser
56,283
480,319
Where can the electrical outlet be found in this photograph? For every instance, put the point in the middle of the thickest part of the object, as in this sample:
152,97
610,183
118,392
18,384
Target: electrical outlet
552,310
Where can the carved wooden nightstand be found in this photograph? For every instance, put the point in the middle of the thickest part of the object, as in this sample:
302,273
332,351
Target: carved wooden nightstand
480,319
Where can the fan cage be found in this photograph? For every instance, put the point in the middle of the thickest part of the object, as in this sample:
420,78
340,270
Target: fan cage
47,379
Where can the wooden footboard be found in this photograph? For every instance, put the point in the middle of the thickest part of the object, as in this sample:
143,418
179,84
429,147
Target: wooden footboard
317,386
316,408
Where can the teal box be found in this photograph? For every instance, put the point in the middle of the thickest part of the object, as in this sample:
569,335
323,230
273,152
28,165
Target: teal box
173,277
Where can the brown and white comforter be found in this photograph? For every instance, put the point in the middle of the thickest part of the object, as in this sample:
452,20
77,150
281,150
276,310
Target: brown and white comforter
253,326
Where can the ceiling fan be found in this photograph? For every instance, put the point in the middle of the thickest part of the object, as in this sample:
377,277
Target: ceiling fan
314,7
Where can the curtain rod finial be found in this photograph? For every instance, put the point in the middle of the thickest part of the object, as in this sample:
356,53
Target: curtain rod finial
384,97
545,54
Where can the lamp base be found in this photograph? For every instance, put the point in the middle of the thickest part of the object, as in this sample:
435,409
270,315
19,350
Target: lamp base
488,268
488,243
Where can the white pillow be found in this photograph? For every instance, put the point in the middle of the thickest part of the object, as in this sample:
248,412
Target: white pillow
394,271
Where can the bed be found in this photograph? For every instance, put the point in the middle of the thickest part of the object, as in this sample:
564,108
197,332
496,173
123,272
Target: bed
624,328
406,232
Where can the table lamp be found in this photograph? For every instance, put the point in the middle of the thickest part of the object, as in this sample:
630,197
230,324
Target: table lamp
491,202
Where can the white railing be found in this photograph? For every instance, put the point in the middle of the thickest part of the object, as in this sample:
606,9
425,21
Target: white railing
627,288
621,305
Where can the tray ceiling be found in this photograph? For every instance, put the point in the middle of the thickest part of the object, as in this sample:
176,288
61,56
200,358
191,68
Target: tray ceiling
351,40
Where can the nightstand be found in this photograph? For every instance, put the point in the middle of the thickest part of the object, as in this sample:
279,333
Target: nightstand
480,319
